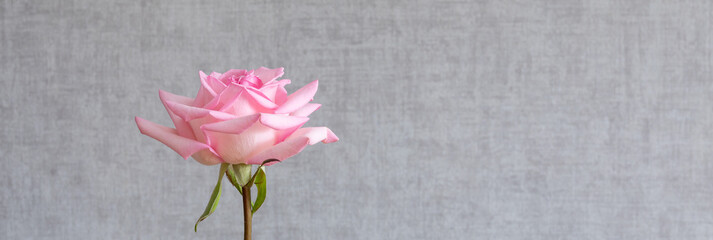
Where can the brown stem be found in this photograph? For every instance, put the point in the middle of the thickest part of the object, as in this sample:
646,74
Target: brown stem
247,212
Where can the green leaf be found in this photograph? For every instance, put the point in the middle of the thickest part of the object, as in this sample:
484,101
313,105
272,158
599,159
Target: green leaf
233,179
260,182
214,198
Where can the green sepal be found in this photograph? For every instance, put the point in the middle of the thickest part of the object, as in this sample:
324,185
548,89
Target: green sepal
214,198
242,173
252,179
233,179
260,182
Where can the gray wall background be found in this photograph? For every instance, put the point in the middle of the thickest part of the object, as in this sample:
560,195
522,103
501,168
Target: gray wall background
458,119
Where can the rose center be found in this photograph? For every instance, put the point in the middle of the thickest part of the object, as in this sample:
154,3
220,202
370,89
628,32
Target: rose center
249,80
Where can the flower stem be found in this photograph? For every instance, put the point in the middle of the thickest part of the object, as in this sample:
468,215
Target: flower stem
247,212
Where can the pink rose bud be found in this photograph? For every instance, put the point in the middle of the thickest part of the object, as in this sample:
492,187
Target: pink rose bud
239,117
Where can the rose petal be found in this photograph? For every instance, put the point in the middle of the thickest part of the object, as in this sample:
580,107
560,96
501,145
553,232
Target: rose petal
228,76
215,75
231,75
205,93
281,92
188,113
181,126
211,85
281,122
294,144
243,105
233,126
225,98
212,81
211,117
214,84
204,96
260,98
168,136
236,148
306,110
241,101
207,157
281,151
283,134
269,91
299,98
267,75
315,134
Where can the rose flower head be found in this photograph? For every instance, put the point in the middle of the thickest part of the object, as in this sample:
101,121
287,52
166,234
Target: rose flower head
239,116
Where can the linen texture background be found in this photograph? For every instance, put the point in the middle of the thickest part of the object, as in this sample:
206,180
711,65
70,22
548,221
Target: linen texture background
457,119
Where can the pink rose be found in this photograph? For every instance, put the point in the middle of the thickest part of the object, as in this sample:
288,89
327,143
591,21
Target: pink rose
239,117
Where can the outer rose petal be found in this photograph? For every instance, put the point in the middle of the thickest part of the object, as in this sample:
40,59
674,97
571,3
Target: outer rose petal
216,85
306,110
299,98
212,117
206,157
212,81
271,90
260,98
315,135
245,104
294,144
215,75
236,148
181,126
281,93
188,113
225,98
205,94
183,146
267,75
281,122
283,134
232,126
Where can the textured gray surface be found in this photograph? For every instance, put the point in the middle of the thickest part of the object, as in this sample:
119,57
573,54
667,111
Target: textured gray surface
458,119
